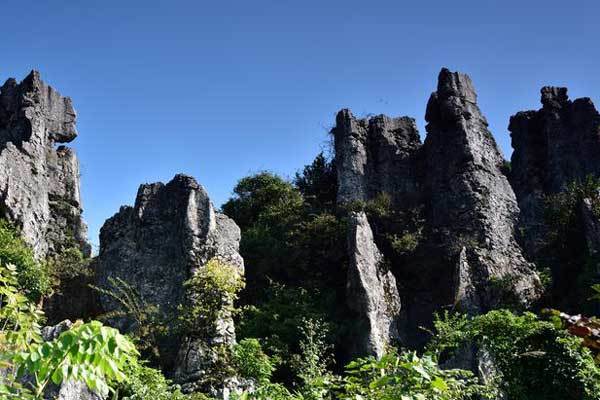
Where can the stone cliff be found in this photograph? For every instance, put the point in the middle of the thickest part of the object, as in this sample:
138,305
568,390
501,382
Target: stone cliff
39,182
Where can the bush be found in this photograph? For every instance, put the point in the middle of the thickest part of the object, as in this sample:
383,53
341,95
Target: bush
537,360
211,293
409,377
145,383
251,362
87,352
32,276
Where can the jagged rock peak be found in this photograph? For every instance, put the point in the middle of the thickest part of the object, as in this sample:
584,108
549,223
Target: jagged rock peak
39,184
455,84
381,142
470,202
155,246
373,156
553,147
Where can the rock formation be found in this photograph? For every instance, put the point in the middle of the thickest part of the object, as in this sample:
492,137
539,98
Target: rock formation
471,207
468,257
158,244
372,292
375,155
554,147
39,182
372,156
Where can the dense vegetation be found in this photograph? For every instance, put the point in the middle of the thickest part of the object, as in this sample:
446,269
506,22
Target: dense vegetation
290,325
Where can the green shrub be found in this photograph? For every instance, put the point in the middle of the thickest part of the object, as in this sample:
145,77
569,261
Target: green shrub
145,383
536,359
574,267
251,362
147,324
409,377
211,295
87,352
32,276
68,264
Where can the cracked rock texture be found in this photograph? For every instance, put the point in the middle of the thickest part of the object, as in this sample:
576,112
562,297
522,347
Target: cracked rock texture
471,206
372,292
467,257
39,181
158,244
554,147
372,156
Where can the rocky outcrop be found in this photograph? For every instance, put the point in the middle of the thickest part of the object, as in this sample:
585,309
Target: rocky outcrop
39,182
471,207
553,147
155,246
373,156
372,292
467,257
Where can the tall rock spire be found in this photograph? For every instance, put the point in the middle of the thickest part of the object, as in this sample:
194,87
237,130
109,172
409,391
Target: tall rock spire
372,156
471,207
462,252
39,182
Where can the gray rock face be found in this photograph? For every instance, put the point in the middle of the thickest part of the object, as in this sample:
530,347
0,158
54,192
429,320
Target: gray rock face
471,205
553,147
372,292
39,183
158,244
468,257
373,156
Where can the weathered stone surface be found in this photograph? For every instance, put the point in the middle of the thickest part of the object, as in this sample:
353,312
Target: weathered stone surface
158,244
39,184
372,292
553,147
467,256
375,155
470,203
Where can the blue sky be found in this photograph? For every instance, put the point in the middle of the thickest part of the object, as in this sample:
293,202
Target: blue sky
222,89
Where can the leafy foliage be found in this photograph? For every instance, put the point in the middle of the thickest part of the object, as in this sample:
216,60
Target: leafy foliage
278,322
574,269
211,293
318,184
409,377
537,359
261,194
69,263
31,275
251,362
90,352
145,383
147,325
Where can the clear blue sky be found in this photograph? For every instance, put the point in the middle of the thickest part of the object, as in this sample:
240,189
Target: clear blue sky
221,89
